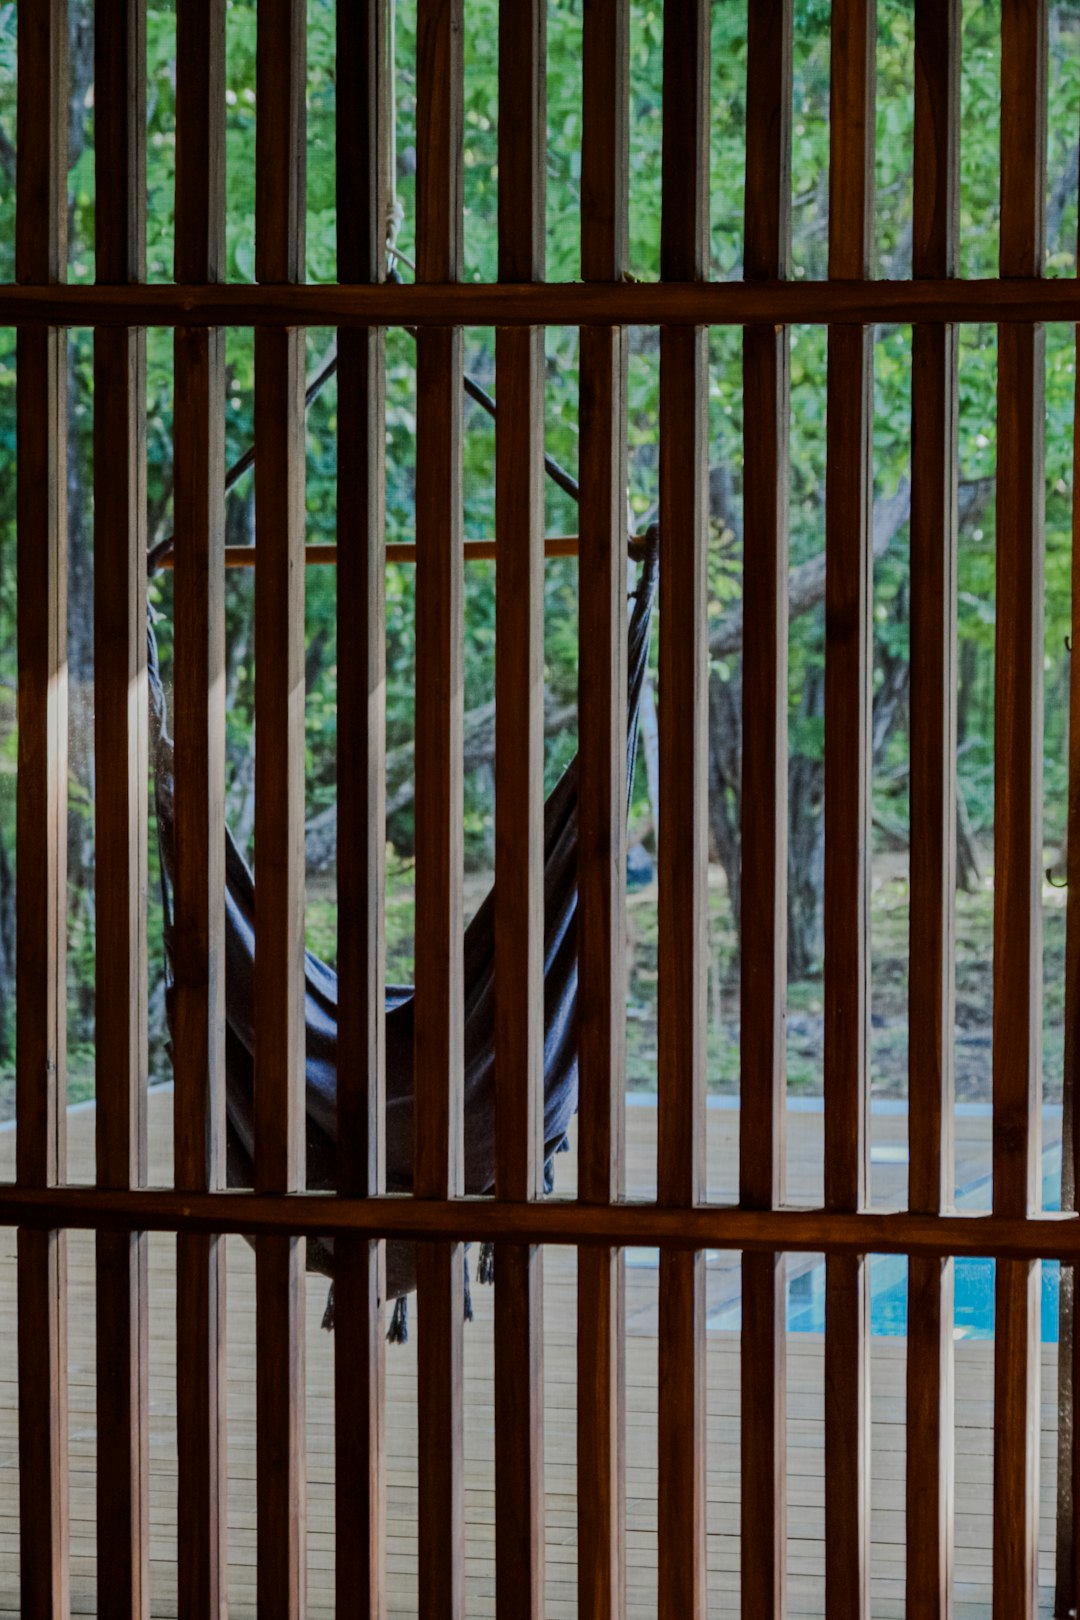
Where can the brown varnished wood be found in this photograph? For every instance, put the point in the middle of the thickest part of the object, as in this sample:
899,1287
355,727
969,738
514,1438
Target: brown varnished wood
279,763
1016,1452
438,1068
41,812
120,141
931,991
519,766
437,1120
855,301
763,944
519,825
200,141
279,934
1018,724
601,1506
359,1289
280,1473
280,143
1024,68
848,664
550,1220
847,1437
853,36
440,30
42,143
683,854
763,1433
41,805
279,813
1068,1559
198,944
931,1450
121,765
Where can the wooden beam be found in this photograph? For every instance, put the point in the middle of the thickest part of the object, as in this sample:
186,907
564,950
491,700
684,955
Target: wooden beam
359,1264
763,947
858,301
41,811
931,993
280,1141
1018,726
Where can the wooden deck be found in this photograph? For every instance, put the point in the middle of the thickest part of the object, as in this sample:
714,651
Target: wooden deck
974,1380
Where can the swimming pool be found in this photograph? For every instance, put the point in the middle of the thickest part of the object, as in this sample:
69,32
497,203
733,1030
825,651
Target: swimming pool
973,1281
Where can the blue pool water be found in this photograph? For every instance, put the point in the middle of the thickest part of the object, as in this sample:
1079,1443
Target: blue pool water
973,1281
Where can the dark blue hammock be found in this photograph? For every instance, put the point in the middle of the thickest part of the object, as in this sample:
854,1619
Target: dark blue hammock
321,990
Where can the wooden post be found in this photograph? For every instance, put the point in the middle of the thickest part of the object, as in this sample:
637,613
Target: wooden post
120,741
1018,729
359,1265
601,1436
683,873
519,824
438,1160
848,661
41,810
198,964
934,404
763,945
279,814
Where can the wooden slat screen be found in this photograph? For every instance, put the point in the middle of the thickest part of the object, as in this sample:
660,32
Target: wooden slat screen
439,1219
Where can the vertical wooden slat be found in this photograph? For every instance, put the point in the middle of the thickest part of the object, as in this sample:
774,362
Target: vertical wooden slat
438,1165
683,888
848,661
519,823
1018,731
934,405
601,1309
1069,1491
41,810
120,741
279,811
198,1014
359,1266
763,944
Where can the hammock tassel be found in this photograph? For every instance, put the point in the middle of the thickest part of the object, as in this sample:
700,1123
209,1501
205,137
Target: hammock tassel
398,1332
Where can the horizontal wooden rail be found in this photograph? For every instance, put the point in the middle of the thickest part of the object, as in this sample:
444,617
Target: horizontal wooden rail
1024,299
556,545
702,1226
